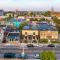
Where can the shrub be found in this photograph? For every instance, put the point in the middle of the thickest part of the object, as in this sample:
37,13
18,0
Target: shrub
47,55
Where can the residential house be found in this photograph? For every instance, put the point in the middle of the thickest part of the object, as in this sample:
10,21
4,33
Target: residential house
34,33
13,35
48,31
30,34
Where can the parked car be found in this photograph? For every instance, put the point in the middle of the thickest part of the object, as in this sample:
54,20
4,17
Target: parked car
30,45
58,45
51,45
9,55
36,56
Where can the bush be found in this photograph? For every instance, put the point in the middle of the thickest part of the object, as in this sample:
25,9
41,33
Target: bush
43,41
47,55
55,42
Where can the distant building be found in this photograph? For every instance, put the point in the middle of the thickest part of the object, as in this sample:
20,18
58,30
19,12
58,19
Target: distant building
1,12
57,14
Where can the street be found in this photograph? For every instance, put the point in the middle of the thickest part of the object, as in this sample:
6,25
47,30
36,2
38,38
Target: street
30,51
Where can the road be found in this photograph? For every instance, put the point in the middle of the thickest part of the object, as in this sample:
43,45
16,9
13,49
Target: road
29,51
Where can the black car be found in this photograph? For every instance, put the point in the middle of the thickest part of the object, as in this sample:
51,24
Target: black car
30,45
51,45
9,55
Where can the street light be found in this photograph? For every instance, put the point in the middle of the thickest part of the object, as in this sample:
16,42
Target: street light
23,52
49,37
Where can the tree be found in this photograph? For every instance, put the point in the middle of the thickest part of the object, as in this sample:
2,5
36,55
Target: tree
47,55
57,21
43,41
47,13
21,27
42,19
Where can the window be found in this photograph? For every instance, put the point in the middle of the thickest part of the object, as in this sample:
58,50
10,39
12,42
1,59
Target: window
30,37
49,37
25,37
25,41
33,33
25,32
37,38
33,37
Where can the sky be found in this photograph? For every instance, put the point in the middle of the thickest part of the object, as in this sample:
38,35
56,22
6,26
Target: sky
35,5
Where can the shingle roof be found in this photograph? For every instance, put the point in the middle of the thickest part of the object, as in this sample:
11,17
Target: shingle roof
31,27
46,26
41,26
26,27
11,30
34,27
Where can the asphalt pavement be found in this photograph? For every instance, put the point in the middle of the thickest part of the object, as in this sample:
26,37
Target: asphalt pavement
30,51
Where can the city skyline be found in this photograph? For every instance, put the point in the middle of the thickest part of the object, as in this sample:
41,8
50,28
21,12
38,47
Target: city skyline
34,5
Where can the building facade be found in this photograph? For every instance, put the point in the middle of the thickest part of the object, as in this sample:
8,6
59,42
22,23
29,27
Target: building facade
30,35
53,35
42,31
12,35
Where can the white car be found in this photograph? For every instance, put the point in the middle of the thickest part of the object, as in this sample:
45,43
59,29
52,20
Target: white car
58,45
36,56
35,44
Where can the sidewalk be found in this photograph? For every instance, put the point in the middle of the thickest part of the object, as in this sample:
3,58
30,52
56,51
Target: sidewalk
24,44
18,59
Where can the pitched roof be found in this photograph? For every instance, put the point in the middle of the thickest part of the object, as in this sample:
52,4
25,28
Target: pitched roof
41,26
46,26
30,27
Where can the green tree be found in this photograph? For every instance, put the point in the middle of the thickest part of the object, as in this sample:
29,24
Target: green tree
43,40
42,19
47,13
57,21
47,55
21,27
